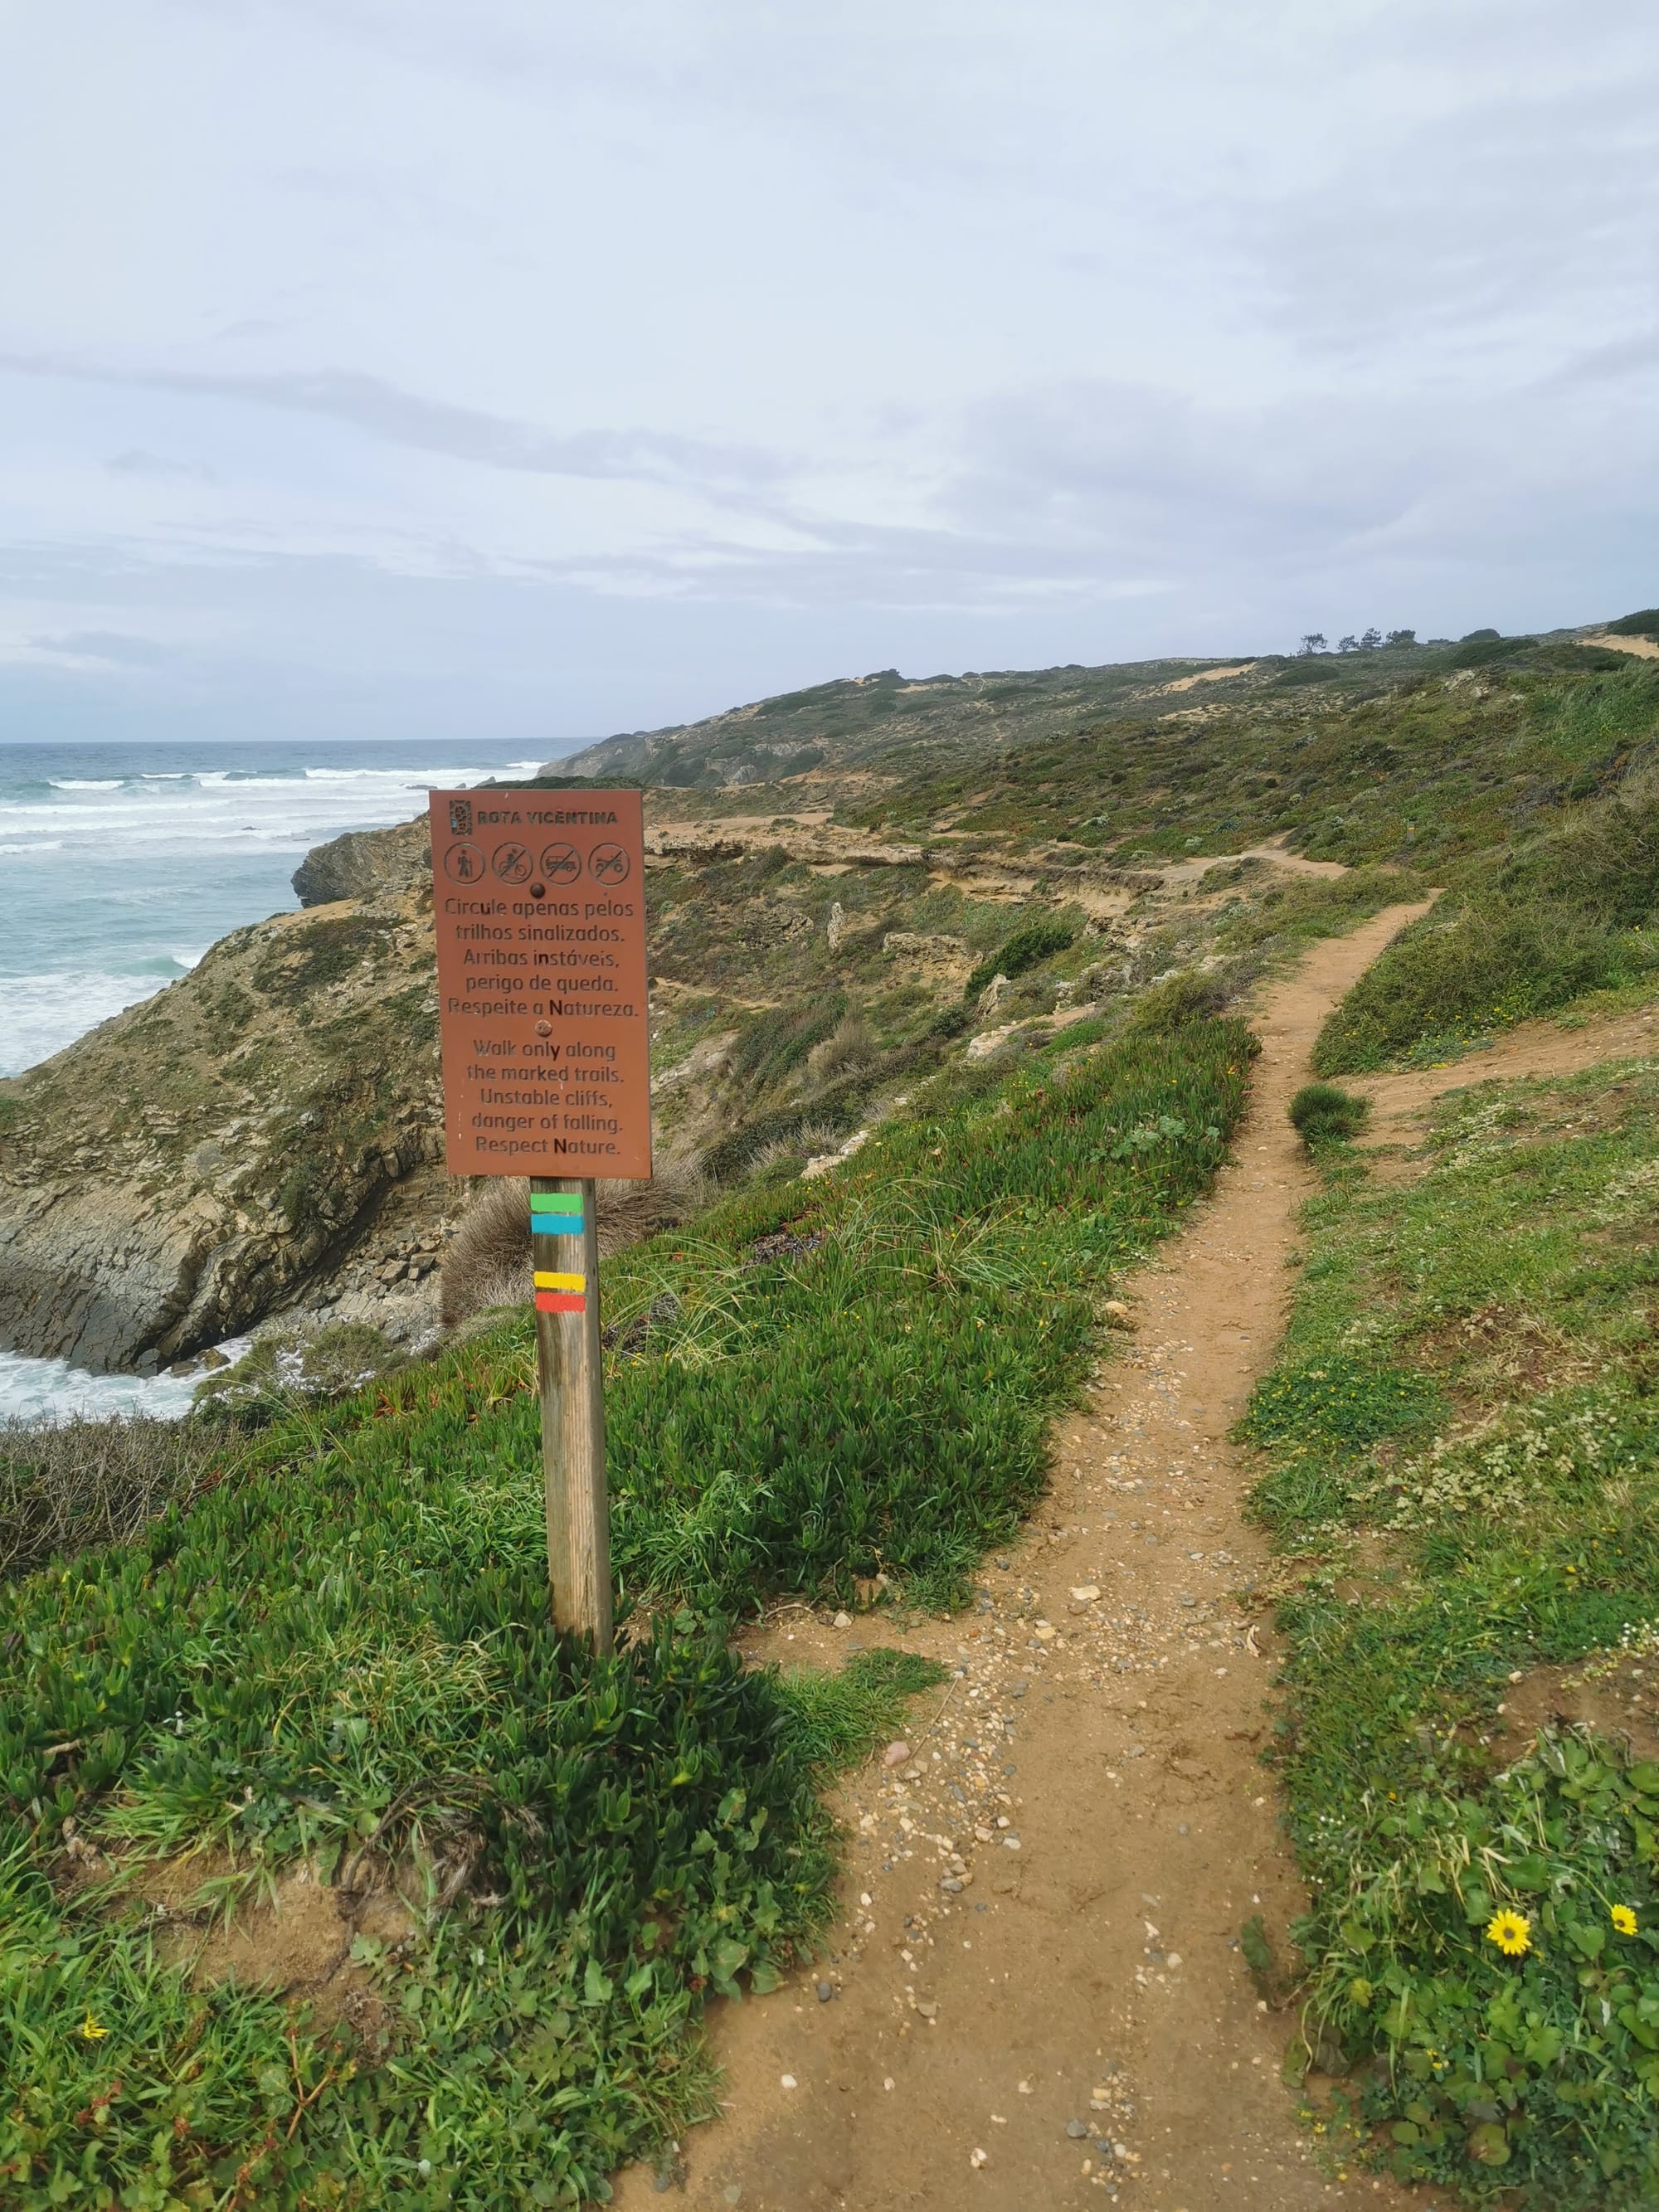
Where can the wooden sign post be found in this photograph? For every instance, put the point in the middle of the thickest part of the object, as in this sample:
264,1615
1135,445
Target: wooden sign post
538,901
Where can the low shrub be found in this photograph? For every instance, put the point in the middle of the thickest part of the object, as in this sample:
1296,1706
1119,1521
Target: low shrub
79,1482
1321,1111
1287,912
487,1261
1180,1001
1601,864
284,1369
1644,623
1031,944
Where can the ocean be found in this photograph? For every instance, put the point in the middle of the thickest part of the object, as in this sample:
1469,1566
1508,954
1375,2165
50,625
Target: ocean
120,863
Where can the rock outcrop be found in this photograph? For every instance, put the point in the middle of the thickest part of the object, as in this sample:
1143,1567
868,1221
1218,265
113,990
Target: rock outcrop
220,1150
366,864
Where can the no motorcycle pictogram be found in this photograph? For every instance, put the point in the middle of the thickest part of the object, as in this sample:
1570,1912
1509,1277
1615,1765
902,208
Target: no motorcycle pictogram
608,863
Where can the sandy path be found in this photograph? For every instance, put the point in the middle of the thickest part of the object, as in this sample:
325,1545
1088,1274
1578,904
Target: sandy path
1033,1999
1401,1103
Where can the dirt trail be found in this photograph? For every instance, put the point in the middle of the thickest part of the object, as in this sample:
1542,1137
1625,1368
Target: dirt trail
1401,1103
1033,1999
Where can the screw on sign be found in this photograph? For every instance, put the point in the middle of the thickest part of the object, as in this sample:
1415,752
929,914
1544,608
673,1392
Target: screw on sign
539,913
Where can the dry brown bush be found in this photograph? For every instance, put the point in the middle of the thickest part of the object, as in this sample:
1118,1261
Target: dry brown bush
84,1482
807,1143
487,1261
850,1044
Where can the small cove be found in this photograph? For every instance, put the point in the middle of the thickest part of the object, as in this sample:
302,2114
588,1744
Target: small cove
119,865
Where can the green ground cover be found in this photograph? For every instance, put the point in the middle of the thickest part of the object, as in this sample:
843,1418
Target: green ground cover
1461,1442
1421,760
343,1646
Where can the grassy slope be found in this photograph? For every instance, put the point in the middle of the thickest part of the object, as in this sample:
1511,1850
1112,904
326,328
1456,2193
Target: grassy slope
1462,1418
347,1642
1516,772
752,937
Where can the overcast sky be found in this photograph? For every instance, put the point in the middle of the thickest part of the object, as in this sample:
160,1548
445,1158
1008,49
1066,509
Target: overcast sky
529,370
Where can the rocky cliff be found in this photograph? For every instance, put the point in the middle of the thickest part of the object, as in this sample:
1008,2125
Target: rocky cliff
226,1147
366,864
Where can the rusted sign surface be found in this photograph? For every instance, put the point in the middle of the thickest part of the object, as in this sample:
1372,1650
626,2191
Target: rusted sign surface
539,902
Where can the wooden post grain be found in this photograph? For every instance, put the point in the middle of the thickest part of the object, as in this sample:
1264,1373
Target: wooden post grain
569,1363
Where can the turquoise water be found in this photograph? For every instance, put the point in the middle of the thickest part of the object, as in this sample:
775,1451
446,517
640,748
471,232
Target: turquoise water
120,863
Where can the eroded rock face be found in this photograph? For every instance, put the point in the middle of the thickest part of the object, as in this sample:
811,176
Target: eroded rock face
366,864
174,1176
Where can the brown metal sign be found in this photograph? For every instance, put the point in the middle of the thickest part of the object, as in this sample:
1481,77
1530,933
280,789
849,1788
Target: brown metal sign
539,902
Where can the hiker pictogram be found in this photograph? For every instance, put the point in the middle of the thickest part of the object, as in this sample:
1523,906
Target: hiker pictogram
464,864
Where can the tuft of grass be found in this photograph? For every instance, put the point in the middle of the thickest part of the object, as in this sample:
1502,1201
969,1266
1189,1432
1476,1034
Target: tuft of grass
839,1718
1321,1113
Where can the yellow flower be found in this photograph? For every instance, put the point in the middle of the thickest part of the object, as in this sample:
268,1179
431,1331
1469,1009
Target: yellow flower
1511,1932
1623,1919
91,2030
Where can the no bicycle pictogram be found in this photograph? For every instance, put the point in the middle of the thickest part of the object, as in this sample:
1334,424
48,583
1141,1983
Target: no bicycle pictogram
512,862
608,863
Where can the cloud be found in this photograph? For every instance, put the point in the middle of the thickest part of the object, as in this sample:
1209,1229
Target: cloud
112,646
137,463
435,426
1635,355
757,344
